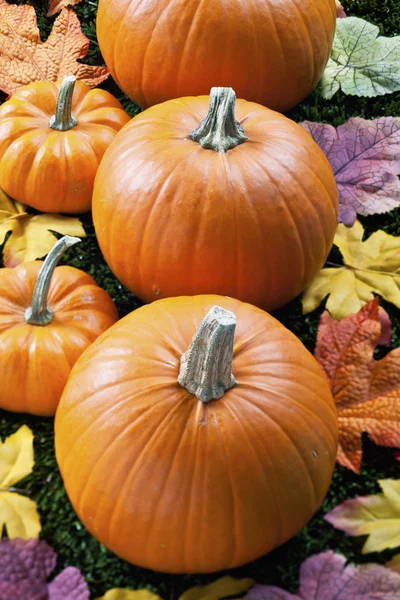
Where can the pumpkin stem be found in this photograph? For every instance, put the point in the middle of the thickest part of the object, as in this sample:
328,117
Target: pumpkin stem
39,313
206,367
64,119
220,131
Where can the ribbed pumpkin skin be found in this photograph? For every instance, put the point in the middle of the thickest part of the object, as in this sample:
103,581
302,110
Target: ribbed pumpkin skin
171,484
272,52
53,171
255,223
35,361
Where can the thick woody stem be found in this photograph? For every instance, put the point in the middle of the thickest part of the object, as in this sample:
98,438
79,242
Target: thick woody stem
39,313
206,367
220,131
64,119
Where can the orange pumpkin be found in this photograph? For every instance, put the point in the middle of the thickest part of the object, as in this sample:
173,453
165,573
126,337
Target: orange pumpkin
175,484
272,52
48,317
243,208
52,139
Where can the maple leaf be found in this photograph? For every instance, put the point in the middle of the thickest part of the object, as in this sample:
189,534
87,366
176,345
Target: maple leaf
366,391
340,14
325,576
377,516
219,589
394,563
365,158
124,594
56,5
361,63
369,267
25,566
25,58
17,513
30,234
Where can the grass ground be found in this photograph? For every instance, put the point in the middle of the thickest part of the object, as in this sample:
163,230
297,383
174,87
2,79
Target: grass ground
62,529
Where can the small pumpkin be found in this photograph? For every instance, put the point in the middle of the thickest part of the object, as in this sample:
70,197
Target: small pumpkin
187,201
187,447
272,52
52,138
48,317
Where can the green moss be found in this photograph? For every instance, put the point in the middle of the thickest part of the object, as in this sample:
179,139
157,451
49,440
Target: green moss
62,528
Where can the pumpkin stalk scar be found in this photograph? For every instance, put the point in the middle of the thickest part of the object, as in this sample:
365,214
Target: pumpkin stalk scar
39,313
64,120
206,367
220,131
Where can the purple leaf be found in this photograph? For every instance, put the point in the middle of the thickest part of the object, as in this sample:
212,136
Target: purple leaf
68,585
25,559
365,158
325,576
28,590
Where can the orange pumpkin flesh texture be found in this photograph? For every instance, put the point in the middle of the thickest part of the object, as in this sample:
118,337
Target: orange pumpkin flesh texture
50,170
173,218
270,51
35,361
171,484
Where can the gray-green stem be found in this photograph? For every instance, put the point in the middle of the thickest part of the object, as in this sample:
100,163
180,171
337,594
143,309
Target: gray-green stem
220,131
64,119
39,313
206,367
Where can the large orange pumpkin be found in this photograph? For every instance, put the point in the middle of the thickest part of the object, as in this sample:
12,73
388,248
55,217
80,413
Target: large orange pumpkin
48,317
243,208
270,51
176,484
52,138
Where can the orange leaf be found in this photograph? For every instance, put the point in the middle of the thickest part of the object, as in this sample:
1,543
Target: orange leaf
25,58
366,391
56,5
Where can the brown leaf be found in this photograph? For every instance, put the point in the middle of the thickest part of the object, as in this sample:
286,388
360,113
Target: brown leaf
25,58
56,5
366,391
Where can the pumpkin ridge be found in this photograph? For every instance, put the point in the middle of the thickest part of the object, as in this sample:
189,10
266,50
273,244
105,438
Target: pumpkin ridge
283,62
306,35
286,435
137,463
279,520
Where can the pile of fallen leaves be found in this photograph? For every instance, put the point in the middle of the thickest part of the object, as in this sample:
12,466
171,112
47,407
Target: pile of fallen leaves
365,158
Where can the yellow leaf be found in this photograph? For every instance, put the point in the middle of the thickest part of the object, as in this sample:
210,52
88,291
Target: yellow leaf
226,586
20,516
18,513
369,267
124,594
30,234
377,516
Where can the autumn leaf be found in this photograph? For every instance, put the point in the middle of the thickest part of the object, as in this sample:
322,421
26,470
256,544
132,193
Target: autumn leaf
30,234
56,5
361,62
365,158
25,58
17,513
326,576
394,563
369,267
124,594
219,589
340,14
25,566
366,391
377,516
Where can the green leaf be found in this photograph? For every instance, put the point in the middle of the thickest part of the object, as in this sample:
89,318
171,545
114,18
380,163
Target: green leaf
361,63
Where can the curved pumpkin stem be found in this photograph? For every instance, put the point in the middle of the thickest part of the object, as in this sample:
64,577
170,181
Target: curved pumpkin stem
39,313
206,367
64,119
220,131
